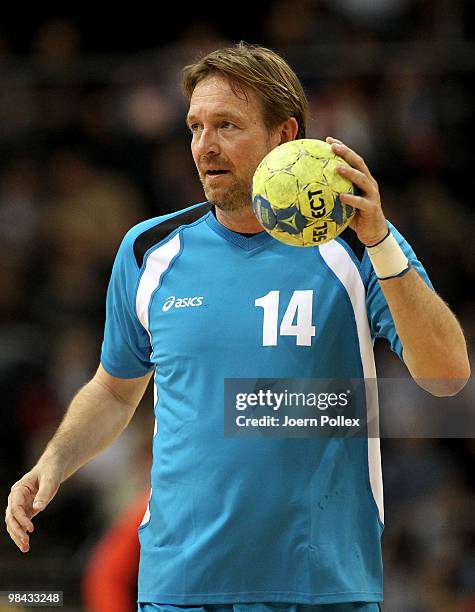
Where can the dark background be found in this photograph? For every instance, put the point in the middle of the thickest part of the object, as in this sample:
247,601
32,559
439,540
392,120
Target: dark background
92,140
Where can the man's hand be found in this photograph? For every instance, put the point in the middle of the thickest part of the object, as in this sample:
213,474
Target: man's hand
98,414
369,222
29,496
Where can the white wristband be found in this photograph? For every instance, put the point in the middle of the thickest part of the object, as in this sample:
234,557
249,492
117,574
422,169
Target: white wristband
388,258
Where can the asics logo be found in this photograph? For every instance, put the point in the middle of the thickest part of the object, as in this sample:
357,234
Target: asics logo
168,304
184,302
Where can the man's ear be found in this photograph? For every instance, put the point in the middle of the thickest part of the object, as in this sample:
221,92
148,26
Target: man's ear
288,130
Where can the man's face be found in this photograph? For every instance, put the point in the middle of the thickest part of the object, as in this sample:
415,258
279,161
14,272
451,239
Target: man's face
229,139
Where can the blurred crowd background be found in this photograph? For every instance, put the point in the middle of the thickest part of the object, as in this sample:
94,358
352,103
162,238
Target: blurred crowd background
93,140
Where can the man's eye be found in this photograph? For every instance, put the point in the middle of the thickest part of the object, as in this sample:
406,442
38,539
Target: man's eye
227,124
194,127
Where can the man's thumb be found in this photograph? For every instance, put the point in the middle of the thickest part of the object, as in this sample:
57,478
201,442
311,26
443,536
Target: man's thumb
45,494
39,504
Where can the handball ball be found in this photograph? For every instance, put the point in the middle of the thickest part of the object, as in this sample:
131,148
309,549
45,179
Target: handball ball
295,193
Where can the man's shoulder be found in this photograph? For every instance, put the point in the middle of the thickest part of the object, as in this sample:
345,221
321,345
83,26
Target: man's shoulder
151,232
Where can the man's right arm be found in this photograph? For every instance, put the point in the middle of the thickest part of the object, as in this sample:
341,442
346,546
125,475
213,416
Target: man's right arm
97,415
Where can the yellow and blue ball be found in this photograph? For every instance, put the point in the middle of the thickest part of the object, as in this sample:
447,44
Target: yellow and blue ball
295,193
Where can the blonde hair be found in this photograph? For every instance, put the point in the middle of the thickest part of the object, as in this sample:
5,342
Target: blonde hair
260,69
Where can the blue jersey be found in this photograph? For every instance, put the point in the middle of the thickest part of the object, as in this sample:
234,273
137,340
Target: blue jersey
238,519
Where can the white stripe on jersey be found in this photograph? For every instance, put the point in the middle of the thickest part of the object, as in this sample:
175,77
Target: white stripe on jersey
338,260
157,263
155,400
146,516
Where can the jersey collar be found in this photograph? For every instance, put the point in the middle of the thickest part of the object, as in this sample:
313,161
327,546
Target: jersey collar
247,244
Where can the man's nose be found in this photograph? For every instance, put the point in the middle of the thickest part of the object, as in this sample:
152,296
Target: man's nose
207,143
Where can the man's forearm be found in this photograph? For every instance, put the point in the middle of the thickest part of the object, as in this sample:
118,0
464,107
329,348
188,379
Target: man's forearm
93,420
434,347
97,415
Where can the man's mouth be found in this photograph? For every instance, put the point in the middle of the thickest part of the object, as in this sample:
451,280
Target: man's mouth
216,172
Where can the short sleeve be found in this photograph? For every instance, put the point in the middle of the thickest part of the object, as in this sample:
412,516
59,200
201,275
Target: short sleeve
126,346
379,315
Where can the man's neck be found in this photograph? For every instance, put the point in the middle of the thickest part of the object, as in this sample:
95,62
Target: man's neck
244,222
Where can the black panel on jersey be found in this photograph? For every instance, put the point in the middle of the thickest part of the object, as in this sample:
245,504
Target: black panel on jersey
156,234
352,240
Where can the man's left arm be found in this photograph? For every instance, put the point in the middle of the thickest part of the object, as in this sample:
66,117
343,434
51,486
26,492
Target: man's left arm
434,347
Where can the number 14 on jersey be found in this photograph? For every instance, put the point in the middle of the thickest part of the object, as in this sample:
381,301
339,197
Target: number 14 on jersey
300,307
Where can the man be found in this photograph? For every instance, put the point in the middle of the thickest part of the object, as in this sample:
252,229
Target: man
232,522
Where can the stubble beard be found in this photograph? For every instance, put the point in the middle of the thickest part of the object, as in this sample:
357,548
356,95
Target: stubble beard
233,199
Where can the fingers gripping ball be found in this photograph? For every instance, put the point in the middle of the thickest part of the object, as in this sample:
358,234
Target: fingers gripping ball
295,193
